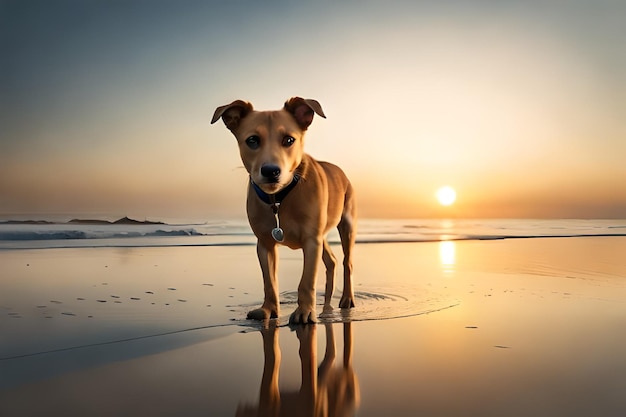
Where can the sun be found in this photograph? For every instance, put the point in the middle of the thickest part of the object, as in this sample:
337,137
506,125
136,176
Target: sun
446,195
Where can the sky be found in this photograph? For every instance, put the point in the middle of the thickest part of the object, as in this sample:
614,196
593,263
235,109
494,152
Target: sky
520,106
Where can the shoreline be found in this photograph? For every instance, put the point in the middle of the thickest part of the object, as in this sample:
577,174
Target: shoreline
537,330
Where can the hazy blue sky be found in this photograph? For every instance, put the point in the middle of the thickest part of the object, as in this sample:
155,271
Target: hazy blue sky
519,105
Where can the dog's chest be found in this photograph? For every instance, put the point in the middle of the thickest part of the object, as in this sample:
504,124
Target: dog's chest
264,224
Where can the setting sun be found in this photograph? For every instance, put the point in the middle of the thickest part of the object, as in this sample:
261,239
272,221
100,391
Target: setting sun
446,195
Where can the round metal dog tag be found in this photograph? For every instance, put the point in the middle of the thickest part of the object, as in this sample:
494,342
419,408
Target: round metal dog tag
277,234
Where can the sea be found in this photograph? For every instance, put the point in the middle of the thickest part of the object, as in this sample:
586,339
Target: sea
42,234
63,319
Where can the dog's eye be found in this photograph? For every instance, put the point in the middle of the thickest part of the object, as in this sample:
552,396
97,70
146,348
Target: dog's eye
253,142
288,141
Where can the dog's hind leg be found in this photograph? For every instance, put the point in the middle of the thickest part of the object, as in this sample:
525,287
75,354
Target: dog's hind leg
330,262
347,233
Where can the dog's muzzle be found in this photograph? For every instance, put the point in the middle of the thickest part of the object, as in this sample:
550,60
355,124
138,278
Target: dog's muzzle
270,173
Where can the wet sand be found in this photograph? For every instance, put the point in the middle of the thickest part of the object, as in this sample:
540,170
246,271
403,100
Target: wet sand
526,327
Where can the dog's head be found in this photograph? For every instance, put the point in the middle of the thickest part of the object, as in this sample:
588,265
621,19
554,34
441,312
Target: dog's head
271,143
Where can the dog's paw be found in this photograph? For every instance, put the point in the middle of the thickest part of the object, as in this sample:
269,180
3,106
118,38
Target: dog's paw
262,314
346,301
327,312
303,315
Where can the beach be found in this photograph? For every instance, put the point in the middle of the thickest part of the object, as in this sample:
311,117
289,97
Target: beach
507,326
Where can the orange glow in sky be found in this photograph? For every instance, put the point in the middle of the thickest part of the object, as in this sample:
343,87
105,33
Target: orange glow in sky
515,106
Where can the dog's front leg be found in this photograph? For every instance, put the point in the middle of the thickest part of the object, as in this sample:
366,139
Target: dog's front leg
268,259
305,313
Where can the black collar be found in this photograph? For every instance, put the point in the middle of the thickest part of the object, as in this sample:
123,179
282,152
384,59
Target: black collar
279,196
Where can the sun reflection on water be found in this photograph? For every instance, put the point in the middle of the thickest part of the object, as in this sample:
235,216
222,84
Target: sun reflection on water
447,256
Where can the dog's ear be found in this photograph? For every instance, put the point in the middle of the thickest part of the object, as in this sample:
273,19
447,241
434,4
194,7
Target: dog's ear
303,110
232,113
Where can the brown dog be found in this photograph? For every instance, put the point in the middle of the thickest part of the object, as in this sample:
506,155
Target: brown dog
293,200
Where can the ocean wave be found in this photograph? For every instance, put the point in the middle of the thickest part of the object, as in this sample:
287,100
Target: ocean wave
232,233
25,235
45,235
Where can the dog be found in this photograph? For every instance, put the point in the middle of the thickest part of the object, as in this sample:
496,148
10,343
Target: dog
293,200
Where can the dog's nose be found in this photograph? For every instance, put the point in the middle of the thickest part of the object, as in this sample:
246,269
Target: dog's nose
270,172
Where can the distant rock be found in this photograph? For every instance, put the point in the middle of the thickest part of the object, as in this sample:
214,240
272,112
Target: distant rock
123,220
88,221
26,222
126,220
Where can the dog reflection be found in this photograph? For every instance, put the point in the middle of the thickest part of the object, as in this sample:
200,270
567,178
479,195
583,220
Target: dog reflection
330,390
